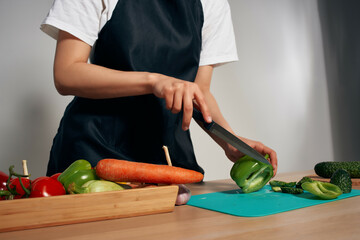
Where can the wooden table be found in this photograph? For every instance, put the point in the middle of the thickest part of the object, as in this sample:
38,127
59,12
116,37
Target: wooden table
333,220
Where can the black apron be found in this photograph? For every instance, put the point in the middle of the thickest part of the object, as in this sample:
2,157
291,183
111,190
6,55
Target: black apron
160,36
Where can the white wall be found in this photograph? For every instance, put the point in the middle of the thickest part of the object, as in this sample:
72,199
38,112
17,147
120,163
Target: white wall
275,93
30,106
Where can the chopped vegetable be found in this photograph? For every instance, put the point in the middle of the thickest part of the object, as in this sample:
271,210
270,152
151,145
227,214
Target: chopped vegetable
323,190
303,180
250,174
276,188
291,190
276,183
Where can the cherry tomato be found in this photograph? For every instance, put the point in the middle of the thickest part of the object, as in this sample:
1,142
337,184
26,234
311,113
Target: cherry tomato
46,187
3,179
15,183
36,179
55,176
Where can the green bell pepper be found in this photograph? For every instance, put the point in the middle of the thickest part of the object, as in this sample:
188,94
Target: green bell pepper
79,172
250,174
323,190
80,177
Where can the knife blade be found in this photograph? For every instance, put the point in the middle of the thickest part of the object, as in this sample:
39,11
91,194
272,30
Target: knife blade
228,137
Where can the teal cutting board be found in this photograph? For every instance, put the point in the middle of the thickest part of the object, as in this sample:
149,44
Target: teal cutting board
257,204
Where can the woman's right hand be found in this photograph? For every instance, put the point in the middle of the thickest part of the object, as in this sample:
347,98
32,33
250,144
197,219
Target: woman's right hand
180,95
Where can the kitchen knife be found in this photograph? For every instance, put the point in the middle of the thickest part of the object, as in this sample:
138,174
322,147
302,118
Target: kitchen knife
228,137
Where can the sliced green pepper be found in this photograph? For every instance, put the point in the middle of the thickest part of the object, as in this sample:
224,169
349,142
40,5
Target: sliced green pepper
79,172
291,190
250,174
275,183
276,188
304,179
323,190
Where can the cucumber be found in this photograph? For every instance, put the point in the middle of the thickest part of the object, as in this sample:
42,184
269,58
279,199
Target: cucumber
327,169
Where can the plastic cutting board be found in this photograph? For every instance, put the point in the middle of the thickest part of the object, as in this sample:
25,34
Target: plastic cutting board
257,204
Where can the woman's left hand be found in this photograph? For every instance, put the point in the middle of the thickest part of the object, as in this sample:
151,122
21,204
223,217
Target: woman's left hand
233,154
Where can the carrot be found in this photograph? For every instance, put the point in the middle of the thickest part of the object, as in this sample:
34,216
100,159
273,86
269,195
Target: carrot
127,171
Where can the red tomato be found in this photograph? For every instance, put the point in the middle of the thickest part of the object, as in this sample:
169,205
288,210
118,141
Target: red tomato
46,187
15,183
55,176
36,179
3,179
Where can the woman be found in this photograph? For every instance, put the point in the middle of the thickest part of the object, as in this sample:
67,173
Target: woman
150,61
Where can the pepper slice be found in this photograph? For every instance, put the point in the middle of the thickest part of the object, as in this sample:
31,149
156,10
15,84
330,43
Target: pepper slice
275,183
323,190
250,174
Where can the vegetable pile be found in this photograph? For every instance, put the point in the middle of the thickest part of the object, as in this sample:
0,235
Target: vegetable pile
108,175
339,174
251,175
22,187
322,190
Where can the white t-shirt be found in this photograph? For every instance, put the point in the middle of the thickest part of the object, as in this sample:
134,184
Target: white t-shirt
85,18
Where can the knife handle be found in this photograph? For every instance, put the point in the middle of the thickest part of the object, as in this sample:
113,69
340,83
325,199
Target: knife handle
197,115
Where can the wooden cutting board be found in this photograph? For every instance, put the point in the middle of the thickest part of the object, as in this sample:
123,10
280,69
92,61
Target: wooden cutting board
75,208
355,181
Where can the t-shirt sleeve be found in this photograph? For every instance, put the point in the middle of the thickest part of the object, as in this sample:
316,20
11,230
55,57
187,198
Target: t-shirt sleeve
80,18
218,38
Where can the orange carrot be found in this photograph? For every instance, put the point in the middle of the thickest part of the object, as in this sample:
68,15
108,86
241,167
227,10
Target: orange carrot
127,171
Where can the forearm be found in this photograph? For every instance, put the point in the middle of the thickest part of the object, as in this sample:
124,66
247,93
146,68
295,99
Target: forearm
203,79
93,81
217,117
73,74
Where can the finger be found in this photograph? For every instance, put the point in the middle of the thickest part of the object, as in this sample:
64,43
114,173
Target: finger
169,98
274,163
259,147
273,157
203,106
178,99
187,110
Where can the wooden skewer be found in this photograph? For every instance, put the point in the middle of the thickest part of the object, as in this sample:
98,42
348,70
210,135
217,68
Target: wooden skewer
25,169
167,155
